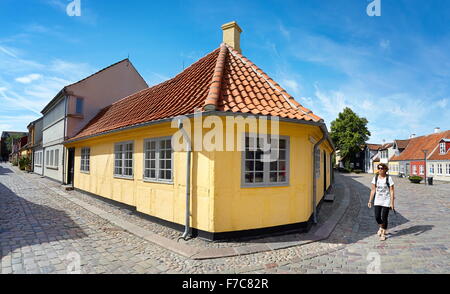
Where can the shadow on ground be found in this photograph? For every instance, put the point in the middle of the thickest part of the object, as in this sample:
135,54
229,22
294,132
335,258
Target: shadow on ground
24,223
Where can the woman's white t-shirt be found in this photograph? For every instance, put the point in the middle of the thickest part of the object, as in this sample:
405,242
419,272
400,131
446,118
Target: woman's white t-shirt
382,192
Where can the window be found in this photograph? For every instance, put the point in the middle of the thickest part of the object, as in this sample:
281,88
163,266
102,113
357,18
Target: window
421,169
52,154
85,154
414,170
79,106
442,148
431,169
258,170
439,169
158,163
447,169
123,159
47,156
56,158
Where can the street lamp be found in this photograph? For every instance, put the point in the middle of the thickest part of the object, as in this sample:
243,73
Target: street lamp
425,157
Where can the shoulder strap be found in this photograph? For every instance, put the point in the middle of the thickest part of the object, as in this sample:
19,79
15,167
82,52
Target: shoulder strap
387,181
376,180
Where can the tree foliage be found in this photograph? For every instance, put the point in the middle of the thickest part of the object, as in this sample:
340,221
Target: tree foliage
349,132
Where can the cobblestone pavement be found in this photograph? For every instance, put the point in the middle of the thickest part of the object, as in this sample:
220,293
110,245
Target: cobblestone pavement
42,232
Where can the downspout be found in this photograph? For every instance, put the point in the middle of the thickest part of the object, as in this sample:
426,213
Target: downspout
188,178
316,146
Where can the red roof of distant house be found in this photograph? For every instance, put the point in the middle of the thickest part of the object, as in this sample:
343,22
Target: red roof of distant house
414,149
223,77
401,144
386,146
436,155
373,146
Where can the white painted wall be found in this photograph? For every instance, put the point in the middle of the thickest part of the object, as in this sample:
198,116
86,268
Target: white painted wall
438,177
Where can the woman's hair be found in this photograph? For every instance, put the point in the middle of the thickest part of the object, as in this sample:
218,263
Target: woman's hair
386,168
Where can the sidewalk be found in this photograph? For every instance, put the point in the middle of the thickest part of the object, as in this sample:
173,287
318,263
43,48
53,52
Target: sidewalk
329,215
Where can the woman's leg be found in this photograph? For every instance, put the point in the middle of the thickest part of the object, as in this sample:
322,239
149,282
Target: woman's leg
384,217
378,218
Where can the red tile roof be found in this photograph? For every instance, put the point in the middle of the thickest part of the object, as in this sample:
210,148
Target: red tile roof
414,149
386,146
373,146
223,80
436,154
401,144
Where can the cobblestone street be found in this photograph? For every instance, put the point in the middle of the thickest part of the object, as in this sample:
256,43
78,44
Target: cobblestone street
43,232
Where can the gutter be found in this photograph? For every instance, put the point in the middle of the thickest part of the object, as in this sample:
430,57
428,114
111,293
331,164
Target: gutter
188,179
315,149
206,113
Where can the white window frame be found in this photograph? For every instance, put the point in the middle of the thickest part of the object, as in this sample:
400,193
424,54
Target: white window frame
414,169
157,159
122,174
85,160
447,169
266,168
442,148
38,161
421,170
439,169
431,171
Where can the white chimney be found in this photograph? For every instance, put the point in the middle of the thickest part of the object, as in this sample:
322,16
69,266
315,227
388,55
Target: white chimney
437,130
232,35
412,136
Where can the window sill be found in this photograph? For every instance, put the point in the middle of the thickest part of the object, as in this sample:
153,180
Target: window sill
265,185
51,167
84,172
123,177
157,182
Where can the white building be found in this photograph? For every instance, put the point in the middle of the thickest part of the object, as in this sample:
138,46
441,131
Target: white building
74,106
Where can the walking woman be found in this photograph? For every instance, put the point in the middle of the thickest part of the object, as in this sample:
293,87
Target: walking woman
383,191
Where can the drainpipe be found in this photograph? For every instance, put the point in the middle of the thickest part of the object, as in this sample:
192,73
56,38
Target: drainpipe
316,146
188,178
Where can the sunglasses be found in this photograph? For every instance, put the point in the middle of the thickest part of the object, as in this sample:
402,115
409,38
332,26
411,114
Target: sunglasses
380,167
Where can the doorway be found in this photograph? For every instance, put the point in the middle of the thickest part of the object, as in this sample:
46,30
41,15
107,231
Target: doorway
70,166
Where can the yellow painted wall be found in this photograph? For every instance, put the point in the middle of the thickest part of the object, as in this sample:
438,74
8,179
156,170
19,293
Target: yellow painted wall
218,203
394,168
242,208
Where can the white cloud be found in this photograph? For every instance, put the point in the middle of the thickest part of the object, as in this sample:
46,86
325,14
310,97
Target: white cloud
442,103
385,44
28,78
8,51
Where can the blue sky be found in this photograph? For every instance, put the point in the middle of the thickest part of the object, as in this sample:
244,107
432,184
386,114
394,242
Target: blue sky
393,69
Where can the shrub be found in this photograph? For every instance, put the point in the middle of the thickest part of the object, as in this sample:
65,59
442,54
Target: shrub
24,163
415,179
357,171
15,162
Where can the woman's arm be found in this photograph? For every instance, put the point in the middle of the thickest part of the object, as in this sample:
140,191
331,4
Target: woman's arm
372,193
392,197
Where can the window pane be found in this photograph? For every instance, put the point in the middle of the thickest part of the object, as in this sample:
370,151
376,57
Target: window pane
249,178
274,165
259,166
249,154
168,174
273,177
282,177
152,173
249,165
259,177
282,165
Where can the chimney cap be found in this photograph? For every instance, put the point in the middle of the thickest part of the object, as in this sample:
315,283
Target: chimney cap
230,25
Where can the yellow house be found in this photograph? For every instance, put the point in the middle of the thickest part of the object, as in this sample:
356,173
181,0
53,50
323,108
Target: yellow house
182,152
394,168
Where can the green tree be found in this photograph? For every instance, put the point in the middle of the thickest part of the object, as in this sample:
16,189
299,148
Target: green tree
9,140
349,132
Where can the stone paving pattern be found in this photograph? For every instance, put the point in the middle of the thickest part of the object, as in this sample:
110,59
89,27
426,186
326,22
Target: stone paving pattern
39,228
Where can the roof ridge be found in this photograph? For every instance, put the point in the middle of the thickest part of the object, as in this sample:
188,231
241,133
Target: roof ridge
215,88
271,83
